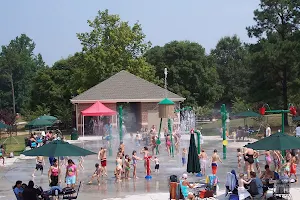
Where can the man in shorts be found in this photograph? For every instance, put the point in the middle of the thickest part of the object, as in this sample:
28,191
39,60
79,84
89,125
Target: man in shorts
102,158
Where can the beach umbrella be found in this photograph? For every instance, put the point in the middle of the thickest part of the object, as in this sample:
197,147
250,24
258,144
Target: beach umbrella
2,125
193,165
48,117
39,123
58,148
276,141
247,114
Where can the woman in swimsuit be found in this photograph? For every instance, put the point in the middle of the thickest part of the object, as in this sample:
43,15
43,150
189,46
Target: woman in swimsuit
54,174
249,158
134,163
145,151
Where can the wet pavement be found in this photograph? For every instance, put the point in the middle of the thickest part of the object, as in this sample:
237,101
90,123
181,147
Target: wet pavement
22,170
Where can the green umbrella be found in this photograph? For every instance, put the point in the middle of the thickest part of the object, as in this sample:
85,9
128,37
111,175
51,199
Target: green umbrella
193,165
276,141
48,117
247,114
2,125
39,123
58,148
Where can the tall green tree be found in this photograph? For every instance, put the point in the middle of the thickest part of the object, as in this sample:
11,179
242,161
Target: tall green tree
231,58
192,74
274,58
18,65
113,45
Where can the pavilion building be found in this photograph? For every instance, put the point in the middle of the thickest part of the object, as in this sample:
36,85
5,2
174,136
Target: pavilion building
139,98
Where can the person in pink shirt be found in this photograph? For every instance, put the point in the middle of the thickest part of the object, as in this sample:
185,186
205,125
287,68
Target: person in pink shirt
71,174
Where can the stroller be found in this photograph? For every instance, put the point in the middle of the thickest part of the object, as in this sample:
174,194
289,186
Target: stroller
231,184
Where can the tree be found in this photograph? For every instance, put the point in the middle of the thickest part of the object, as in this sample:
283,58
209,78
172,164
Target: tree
111,46
18,65
231,58
191,73
276,23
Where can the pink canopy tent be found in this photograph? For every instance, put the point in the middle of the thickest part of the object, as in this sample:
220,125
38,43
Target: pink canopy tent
97,109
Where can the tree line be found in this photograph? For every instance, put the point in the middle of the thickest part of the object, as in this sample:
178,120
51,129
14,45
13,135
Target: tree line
236,73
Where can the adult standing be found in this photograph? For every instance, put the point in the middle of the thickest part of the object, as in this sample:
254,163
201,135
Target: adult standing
71,174
268,131
54,174
249,158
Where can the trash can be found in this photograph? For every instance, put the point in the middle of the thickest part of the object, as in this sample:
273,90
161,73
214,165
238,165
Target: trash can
74,134
173,187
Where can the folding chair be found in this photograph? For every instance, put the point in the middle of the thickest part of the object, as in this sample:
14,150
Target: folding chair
70,196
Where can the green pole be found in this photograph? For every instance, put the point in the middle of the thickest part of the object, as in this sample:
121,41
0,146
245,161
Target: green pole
224,116
158,139
171,135
198,141
282,122
121,123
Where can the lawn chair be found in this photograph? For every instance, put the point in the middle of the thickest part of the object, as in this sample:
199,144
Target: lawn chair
70,196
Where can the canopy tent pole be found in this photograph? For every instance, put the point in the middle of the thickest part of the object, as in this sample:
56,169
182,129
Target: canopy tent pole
82,125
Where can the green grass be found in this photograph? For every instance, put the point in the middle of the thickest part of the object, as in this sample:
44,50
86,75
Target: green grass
12,146
274,121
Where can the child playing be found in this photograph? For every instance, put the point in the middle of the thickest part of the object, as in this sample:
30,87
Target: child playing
137,140
97,174
287,168
127,166
183,159
80,160
156,161
243,193
239,157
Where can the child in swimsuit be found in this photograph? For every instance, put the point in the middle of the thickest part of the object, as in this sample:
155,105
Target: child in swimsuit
2,152
287,167
183,158
239,157
268,158
156,161
97,174
256,161
127,166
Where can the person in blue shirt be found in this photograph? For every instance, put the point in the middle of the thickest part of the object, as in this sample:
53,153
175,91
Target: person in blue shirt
184,186
18,190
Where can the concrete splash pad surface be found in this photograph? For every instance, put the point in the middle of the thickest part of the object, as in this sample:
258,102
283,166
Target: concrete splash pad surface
158,186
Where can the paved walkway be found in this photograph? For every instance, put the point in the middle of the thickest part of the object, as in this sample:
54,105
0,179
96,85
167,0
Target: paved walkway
21,168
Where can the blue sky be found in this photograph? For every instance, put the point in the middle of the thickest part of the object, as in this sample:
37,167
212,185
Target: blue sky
53,24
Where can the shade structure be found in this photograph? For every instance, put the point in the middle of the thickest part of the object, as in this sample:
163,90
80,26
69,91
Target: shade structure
58,148
98,109
39,123
277,141
2,125
193,165
247,114
48,117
